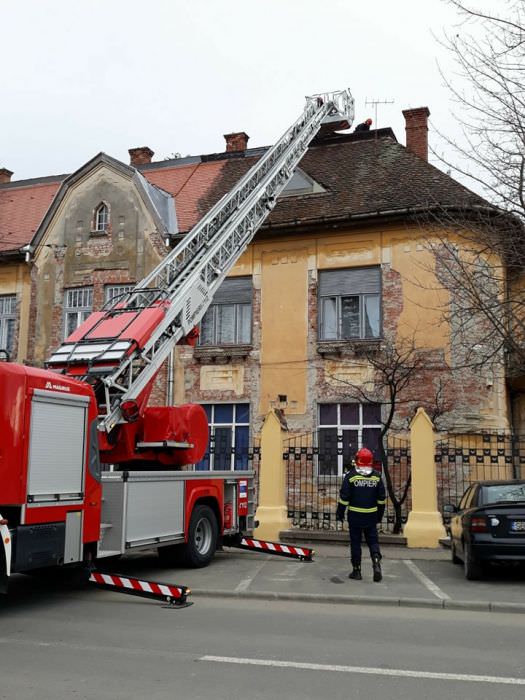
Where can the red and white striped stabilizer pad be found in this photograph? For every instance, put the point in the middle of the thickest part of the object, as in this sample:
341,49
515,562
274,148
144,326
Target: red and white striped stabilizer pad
283,550
174,595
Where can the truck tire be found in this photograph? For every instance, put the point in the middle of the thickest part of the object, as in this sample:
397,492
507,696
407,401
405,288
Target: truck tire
203,532
3,576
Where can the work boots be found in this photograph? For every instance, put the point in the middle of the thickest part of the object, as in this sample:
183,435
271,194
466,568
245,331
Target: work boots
376,568
355,574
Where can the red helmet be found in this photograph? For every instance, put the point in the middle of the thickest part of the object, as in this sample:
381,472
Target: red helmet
364,458
368,121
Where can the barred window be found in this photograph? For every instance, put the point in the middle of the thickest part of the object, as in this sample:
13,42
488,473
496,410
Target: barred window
78,304
101,217
350,303
114,291
229,436
7,323
228,320
342,429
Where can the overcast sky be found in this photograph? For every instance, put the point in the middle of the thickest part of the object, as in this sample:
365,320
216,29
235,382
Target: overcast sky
79,76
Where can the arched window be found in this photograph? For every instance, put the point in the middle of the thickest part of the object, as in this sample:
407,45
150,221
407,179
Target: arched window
101,217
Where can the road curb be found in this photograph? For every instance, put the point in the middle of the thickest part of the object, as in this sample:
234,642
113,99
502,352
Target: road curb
392,601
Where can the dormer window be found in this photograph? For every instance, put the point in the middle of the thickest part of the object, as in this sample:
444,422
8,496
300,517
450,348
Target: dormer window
301,183
101,218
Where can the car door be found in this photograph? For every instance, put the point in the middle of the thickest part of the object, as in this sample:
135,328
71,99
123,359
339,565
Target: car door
471,501
456,523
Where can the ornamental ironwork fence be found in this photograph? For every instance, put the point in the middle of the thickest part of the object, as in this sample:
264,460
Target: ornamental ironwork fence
463,459
312,494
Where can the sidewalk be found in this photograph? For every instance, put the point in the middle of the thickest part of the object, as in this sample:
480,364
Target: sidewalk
411,577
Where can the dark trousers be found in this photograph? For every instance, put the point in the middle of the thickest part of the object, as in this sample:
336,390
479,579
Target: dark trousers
357,529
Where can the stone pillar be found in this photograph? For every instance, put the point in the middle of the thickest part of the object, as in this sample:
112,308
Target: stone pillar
424,526
272,512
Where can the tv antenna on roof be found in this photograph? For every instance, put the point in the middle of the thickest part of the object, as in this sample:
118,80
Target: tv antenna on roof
375,103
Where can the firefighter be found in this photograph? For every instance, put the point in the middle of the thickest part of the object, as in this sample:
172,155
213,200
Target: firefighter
362,496
364,126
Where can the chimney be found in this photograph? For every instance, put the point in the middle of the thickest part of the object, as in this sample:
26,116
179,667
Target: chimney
416,125
140,156
5,176
237,141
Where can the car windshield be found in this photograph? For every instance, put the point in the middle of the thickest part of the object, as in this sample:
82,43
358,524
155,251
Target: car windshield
504,492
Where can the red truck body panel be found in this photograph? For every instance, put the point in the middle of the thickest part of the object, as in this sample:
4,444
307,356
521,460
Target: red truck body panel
17,386
135,326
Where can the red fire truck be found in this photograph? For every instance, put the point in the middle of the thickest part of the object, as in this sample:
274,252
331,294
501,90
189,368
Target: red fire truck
87,469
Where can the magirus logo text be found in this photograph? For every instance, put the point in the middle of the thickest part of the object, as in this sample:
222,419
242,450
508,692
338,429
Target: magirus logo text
57,387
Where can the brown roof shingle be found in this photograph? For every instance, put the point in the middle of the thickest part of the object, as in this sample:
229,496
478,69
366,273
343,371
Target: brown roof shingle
363,175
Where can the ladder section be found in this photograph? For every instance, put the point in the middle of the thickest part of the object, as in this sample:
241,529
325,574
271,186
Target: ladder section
180,289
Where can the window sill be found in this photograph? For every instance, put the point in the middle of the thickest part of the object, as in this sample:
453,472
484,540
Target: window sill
355,347
223,352
101,232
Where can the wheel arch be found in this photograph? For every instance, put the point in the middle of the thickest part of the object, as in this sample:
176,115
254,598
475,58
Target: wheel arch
212,503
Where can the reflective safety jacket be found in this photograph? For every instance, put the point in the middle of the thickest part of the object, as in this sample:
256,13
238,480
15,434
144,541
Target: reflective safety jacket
362,496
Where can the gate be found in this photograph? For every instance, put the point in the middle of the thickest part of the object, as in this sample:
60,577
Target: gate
312,493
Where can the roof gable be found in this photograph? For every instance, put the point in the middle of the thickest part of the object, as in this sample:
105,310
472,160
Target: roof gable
160,204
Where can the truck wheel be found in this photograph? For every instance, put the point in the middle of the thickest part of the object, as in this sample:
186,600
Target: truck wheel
202,538
471,566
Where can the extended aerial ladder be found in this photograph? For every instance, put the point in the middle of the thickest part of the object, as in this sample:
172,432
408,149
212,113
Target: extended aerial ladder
121,348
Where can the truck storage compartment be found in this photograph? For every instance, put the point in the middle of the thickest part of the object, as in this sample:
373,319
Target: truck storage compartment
36,546
57,438
140,509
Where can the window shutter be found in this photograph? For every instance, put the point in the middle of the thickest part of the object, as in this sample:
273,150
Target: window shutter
234,290
359,280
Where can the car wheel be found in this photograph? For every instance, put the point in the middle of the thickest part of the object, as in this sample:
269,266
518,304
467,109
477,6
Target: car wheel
471,566
455,558
202,538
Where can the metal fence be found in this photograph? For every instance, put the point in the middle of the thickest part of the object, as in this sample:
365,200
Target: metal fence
312,495
462,459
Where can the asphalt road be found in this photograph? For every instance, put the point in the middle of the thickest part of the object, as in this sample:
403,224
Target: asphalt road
57,644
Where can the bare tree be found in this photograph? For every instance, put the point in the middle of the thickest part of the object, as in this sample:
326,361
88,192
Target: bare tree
488,50
398,371
479,246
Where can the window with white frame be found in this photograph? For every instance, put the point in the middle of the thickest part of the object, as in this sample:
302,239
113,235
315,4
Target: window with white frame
78,304
342,429
228,321
350,303
7,323
101,219
112,292
229,426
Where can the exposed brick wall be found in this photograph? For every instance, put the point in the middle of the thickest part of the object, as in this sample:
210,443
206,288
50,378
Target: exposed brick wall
416,125
140,156
237,141
5,176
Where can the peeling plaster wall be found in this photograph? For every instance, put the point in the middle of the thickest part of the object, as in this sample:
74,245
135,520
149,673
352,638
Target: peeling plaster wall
71,254
285,359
